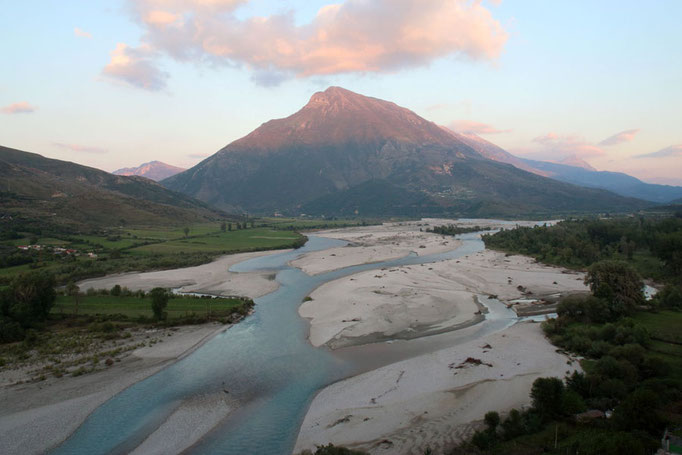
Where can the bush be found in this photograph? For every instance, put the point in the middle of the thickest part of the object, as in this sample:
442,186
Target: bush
617,283
160,297
547,395
10,331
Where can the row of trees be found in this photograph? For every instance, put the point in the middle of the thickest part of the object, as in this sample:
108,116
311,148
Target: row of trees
453,229
580,243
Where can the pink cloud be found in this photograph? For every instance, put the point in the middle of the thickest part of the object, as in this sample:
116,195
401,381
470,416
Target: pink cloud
671,151
355,36
135,67
559,147
81,33
22,107
619,138
468,126
81,148
198,155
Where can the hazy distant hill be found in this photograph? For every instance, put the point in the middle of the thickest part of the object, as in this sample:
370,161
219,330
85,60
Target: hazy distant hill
154,170
62,192
617,182
580,173
345,153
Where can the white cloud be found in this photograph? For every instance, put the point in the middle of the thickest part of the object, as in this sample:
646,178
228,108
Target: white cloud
81,148
559,147
355,36
673,150
135,67
22,107
619,138
81,33
468,126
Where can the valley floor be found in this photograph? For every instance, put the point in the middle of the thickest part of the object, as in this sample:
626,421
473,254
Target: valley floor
433,399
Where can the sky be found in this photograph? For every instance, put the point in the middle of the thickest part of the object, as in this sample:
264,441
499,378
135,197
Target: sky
115,83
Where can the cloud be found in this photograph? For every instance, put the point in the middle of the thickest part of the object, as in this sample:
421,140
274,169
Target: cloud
619,138
560,147
468,126
135,67
354,36
81,148
437,107
198,155
81,33
673,150
22,107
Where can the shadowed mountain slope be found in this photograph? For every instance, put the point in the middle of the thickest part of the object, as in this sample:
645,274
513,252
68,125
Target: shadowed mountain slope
62,192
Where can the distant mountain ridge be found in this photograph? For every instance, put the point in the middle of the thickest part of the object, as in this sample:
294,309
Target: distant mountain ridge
61,192
345,153
618,182
153,170
579,173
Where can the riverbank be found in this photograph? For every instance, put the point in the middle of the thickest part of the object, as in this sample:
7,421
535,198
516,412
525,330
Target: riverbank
56,406
433,400
37,416
213,278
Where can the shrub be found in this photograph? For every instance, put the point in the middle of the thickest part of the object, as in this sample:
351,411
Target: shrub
160,297
547,396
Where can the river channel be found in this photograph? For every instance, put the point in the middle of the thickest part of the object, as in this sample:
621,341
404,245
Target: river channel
267,364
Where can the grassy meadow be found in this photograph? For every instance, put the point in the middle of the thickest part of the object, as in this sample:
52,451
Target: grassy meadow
135,249
134,307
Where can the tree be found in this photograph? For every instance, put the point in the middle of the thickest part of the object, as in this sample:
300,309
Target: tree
229,226
492,420
74,291
618,283
116,290
160,297
30,298
186,231
223,226
547,395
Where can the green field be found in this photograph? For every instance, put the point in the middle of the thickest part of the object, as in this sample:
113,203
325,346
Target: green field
663,325
137,249
134,307
311,224
217,242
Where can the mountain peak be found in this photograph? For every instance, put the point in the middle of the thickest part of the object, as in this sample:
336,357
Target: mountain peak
338,99
337,116
154,170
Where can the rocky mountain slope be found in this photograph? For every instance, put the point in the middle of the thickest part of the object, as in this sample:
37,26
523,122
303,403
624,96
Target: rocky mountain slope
345,153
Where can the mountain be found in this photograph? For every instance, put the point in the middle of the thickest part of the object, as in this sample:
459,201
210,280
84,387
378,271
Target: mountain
575,161
618,182
493,152
154,170
45,190
345,153
576,171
